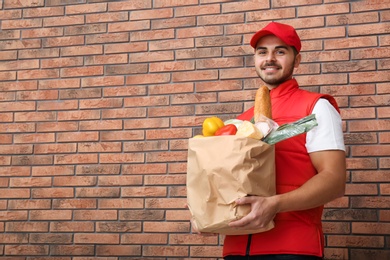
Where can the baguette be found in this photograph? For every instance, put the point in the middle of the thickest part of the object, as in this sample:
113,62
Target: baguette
262,104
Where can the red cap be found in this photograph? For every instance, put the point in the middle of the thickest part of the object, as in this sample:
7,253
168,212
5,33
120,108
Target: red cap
283,31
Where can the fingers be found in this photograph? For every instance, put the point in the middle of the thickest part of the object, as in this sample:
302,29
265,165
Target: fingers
239,223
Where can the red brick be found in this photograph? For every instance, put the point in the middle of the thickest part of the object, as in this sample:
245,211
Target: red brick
204,251
177,251
71,226
362,254
52,170
96,238
62,41
370,202
368,29
12,14
38,74
146,101
82,71
23,4
85,29
94,215
368,125
77,136
107,17
8,75
97,169
62,62
372,5
145,146
80,93
336,253
15,127
217,41
152,56
75,159
271,14
145,238
152,14
126,69
370,228
126,47
150,79
122,135
60,83
31,250
222,19
144,192
145,169
244,6
63,21
126,112
361,189
42,32
119,250
50,214
34,116
20,44
132,5
20,204
43,11
356,241
199,53
129,26
21,24
27,227
107,38
72,250
118,158
86,8
173,23
355,18
14,216
8,55
31,182
60,105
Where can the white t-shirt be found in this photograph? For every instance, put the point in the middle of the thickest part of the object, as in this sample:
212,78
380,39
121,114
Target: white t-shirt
328,135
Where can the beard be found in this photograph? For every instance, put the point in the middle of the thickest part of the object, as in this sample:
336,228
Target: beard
275,81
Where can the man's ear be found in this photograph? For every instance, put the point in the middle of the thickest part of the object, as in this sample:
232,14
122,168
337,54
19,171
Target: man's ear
297,60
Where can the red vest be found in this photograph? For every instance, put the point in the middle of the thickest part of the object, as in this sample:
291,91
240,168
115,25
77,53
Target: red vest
297,232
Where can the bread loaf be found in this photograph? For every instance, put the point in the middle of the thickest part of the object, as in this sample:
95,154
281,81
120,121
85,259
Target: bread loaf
262,104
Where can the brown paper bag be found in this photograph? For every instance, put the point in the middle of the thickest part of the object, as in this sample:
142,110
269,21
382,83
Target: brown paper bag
222,169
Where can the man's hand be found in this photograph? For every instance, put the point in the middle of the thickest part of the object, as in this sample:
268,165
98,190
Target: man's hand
263,210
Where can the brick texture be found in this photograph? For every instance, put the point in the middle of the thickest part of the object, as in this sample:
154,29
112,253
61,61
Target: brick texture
98,99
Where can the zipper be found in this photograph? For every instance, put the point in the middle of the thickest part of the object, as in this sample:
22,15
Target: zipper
248,246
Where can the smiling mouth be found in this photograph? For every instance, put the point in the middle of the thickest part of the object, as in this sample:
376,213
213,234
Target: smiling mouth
270,68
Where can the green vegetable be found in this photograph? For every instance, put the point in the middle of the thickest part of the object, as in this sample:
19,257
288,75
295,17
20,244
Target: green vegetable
292,129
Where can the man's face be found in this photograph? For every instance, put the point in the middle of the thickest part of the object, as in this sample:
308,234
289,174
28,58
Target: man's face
275,60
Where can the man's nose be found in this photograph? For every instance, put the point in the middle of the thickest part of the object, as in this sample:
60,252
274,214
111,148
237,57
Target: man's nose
270,56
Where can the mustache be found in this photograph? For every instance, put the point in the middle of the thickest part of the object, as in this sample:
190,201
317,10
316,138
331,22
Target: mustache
271,64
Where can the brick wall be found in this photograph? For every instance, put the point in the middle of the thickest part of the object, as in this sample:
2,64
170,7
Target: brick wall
98,99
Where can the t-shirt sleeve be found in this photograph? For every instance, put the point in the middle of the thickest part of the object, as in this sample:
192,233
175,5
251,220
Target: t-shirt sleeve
328,135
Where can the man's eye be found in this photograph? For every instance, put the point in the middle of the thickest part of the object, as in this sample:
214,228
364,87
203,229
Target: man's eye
280,52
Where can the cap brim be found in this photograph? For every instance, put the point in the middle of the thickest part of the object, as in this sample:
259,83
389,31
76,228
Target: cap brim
256,37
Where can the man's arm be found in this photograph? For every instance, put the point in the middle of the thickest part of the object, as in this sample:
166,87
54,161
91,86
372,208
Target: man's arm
327,185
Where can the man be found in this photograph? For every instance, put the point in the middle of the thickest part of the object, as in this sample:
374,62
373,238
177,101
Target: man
310,168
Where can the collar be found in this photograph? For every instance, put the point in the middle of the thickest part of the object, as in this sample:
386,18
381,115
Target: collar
284,88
